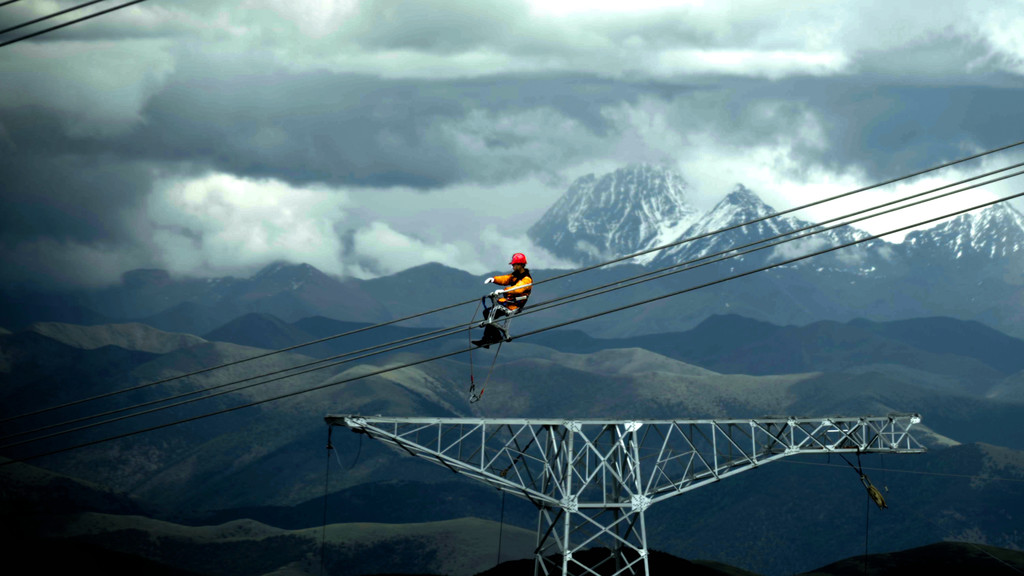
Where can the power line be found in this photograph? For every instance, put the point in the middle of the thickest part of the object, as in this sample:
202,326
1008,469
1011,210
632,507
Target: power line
557,277
544,329
784,212
76,21
54,15
234,408
770,266
733,252
368,353
422,338
226,365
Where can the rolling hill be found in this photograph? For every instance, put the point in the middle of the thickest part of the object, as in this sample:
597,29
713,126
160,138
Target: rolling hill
264,462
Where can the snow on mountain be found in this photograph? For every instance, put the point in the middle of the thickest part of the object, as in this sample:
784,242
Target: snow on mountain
627,211
738,207
641,207
993,232
725,229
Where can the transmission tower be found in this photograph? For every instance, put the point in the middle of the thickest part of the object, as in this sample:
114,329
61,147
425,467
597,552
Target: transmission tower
592,480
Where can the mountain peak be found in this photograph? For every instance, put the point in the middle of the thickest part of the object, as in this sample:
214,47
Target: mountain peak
739,219
600,218
742,195
993,232
744,200
284,270
1002,214
740,206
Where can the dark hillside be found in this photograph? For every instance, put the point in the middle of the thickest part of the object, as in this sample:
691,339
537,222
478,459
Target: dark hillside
597,561
259,331
940,558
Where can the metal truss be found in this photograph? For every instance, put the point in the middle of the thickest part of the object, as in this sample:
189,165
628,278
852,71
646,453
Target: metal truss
592,480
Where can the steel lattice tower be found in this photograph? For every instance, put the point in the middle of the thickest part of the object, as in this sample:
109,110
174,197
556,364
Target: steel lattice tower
592,480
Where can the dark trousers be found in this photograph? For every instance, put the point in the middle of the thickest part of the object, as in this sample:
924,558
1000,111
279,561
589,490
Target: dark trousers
493,333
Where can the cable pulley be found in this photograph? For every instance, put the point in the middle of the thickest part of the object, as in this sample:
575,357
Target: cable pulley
873,493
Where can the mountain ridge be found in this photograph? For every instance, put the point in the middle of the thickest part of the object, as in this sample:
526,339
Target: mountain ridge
629,210
565,218
133,336
969,266
273,454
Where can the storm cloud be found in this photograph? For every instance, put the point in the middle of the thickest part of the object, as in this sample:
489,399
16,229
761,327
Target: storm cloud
364,137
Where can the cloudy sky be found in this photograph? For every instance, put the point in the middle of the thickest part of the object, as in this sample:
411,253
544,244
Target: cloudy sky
364,137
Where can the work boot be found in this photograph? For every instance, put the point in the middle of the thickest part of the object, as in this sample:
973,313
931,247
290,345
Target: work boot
492,335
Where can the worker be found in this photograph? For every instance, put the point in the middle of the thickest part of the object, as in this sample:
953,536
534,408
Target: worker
507,301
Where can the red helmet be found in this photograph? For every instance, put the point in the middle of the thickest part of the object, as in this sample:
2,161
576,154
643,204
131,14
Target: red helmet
518,258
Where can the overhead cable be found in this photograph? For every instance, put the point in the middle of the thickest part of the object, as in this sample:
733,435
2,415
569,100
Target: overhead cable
227,364
524,335
770,266
783,212
733,252
70,23
47,17
209,392
551,279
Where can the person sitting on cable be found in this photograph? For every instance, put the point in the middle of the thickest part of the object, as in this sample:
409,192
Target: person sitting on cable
508,301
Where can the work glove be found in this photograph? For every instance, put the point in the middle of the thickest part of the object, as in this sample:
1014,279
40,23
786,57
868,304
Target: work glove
497,293
489,281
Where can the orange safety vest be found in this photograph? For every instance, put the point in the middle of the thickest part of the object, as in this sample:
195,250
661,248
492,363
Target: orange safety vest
515,298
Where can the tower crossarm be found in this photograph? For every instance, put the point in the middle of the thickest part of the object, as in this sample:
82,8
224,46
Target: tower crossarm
624,464
695,453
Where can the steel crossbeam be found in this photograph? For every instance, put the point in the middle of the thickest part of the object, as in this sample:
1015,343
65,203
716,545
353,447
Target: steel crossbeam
592,480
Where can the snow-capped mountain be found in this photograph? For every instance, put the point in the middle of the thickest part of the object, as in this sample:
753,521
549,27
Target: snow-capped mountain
638,208
722,230
968,267
976,258
627,211
994,232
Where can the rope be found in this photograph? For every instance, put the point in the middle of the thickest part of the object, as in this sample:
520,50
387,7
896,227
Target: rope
867,516
469,339
501,526
359,450
475,397
327,479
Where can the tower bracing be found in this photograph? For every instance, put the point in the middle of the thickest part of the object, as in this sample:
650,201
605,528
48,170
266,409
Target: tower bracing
592,479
